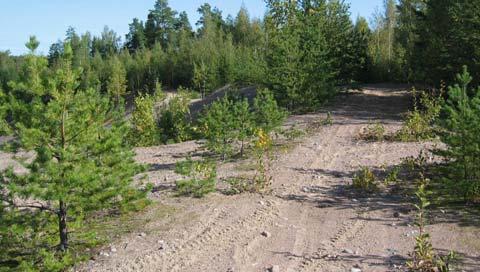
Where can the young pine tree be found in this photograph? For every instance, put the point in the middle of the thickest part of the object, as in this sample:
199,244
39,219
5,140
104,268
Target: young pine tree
218,126
82,162
175,120
243,122
460,131
267,114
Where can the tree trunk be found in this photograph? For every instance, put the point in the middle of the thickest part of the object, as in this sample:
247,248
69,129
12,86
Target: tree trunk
62,226
242,149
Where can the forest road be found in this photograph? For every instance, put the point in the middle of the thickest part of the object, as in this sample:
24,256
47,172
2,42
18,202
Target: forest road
312,220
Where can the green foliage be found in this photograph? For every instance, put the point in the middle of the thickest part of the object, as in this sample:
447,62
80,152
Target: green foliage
419,122
175,121
159,95
229,121
239,185
382,46
32,44
425,259
392,176
218,127
201,177
4,126
459,130
328,121
299,66
450,28
200,77
267,114
82,165
373,132
188,93
144,131
293,133
262,149
365,180
243,122
116,84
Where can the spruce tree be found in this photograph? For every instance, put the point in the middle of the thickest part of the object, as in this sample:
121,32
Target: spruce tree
82,162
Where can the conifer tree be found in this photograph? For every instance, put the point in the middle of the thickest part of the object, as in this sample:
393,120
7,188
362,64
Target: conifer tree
461,133
242,28
135,38
116,85
244,122
300,64
283,56
160,24
218,125
183,24
26,95
267,114
82,164
362,62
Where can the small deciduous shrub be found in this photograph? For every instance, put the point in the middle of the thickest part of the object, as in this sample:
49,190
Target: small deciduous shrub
292,133
144,130
328,121
392,176
201,177
188,93
373,132
263,177
239,185
365,180
424,257
419,122
415,163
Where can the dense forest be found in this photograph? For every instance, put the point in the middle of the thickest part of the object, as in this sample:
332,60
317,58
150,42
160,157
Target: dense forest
69,105
414,41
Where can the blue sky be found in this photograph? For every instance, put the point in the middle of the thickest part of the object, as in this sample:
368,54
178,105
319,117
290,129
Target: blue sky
49,19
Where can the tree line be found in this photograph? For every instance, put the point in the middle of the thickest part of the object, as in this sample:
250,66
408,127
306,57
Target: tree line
166,49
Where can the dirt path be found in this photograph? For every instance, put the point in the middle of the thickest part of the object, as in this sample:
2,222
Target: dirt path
314,221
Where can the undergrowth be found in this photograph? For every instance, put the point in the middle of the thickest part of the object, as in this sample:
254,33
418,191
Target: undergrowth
373,132
419,123
424,257
201,177
364,180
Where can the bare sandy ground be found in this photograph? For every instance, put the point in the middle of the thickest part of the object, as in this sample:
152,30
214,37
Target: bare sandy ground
312,221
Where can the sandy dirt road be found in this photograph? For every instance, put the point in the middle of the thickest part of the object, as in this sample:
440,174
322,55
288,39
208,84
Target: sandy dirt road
312,221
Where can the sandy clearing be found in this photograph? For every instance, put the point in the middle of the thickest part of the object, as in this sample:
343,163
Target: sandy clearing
314,221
